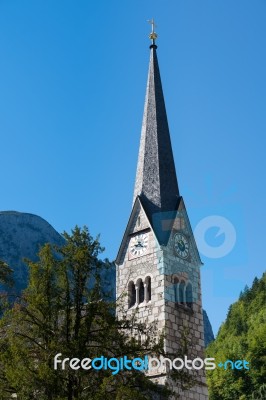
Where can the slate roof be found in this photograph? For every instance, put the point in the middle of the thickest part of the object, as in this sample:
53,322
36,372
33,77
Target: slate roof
156,181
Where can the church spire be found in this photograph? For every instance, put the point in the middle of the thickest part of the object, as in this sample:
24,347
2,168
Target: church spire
156,182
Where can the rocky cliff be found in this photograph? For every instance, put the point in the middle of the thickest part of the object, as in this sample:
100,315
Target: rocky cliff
21,236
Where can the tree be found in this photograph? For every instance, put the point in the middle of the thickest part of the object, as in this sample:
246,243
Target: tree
63,310
241,337
6,279
5,274
260,394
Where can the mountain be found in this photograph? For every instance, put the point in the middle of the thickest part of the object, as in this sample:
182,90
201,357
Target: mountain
208,333
23,234
241,337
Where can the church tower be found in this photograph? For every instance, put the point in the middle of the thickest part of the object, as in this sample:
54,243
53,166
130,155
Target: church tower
158,264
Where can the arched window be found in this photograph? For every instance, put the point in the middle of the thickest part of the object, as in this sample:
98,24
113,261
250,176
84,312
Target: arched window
181,292
189,297
148,288
141,292
131,294
176,283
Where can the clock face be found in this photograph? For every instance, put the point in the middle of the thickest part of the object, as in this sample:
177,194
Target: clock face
181,245
139,244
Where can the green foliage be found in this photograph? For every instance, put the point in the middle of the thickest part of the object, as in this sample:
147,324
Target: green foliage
259,394
241,337
58,313
6,274
6,278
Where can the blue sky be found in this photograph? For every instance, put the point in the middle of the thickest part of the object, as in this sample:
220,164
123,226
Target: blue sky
72,85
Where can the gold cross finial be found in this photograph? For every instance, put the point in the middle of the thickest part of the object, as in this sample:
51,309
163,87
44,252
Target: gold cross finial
153,35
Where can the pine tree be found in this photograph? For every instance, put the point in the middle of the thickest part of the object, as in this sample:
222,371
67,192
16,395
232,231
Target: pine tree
241,337
5,274
63,310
